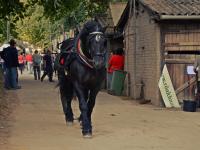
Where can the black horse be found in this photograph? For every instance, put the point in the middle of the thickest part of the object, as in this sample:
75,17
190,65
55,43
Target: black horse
82,71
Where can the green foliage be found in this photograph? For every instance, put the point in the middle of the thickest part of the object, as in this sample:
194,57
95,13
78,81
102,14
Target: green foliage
34,28
119,0
2,30
38,20
11,10
75,12
56,9
14,8
84,10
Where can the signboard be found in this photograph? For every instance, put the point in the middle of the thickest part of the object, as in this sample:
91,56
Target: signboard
190,70
167,90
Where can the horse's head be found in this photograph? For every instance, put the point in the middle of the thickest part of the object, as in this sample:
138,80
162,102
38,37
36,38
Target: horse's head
94,43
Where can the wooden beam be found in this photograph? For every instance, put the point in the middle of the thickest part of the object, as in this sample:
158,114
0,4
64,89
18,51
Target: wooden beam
182,44
185,85
182,49
179,61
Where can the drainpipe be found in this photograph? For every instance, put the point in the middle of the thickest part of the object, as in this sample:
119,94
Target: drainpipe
132,9
128,47
135,47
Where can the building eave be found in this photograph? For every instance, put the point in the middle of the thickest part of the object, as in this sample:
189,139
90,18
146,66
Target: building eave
179,17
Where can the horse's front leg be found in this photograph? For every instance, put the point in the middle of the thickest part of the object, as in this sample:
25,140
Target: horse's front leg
82,95
91,102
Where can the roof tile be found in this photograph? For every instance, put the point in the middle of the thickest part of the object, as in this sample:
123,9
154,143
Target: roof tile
173,7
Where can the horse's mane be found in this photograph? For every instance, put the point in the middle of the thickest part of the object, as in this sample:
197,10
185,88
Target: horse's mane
88,28
67,44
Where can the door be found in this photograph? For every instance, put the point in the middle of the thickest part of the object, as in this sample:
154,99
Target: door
180,45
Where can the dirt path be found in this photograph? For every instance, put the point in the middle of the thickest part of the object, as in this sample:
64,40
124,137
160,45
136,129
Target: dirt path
37,123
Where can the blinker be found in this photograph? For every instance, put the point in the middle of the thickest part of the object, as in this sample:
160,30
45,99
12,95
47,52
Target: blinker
62,61
98,37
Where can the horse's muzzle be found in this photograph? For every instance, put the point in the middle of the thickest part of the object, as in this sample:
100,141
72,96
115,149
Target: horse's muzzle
99,62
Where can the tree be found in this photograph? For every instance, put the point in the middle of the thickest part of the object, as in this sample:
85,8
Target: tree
35,28
3,30
75,12
33,21
10,10
14,8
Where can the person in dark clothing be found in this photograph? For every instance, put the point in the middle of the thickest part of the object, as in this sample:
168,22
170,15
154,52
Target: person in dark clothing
10,57
48,66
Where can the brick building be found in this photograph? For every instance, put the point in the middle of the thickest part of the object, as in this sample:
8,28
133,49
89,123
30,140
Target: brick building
158,32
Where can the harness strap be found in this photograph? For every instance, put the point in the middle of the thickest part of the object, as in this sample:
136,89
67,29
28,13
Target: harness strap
82,56
96,32
77,49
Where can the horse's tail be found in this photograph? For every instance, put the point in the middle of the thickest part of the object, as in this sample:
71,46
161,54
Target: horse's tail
61,77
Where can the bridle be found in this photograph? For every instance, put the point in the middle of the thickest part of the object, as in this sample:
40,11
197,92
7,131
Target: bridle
98,36
86,60
96,32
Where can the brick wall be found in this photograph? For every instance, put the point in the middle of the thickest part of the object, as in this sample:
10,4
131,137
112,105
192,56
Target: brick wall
142,44
129,55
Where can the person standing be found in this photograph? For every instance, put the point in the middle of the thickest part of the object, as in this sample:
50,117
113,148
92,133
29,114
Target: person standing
10,56
1,63
48,66
116,62
36,65
54,68
29,60
21,59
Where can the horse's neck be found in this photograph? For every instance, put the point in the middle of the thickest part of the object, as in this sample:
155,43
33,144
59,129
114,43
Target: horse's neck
80,66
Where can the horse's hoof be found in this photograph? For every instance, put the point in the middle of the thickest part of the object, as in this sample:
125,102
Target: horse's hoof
69,123
81,124
87,135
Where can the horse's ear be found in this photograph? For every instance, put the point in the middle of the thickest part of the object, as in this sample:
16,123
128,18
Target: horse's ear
83,33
